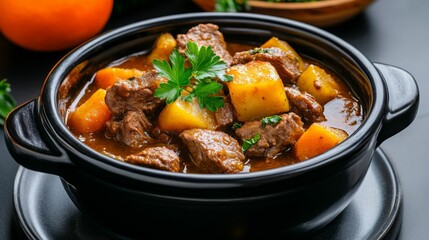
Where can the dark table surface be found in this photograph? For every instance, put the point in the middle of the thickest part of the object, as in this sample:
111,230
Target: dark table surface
390,31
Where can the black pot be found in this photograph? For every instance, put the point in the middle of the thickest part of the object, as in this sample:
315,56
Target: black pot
137,202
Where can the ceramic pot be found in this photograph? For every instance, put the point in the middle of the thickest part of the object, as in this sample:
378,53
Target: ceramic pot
137,202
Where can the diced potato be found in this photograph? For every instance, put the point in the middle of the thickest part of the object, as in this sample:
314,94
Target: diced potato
317,82
256,91
106,77
163,47
92,115
317,140
181,115
275,42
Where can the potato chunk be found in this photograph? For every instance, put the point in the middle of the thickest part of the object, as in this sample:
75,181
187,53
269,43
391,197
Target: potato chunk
164,45
283,45
256,91
181,115
318,139
317,82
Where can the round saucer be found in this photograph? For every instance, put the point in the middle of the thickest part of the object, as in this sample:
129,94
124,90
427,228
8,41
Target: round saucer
45,211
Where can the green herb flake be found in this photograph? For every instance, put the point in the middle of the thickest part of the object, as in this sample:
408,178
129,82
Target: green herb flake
248,143
236,125
271,120
296,59
259,50
199,80
7,103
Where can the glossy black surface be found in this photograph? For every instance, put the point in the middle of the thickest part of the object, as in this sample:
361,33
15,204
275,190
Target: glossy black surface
45,211
390,31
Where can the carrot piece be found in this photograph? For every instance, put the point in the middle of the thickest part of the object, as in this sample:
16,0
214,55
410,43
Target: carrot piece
106,77
92,115
317,140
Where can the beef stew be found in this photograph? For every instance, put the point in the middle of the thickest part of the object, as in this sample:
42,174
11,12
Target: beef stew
265,120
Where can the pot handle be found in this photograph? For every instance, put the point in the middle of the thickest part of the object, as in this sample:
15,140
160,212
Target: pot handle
403,100
31,147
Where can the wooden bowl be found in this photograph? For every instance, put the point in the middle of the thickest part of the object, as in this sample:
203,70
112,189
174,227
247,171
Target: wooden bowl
322,13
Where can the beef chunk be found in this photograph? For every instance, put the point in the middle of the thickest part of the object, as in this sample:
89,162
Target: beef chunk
274,139
162,136
305,105
213,151
225,115
132,129
135,94
285,63
161,157
205,35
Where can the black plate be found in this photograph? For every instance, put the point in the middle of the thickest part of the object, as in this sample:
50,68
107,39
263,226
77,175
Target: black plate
45,211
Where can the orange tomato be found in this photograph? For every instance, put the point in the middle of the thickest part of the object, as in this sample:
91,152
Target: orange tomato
51,25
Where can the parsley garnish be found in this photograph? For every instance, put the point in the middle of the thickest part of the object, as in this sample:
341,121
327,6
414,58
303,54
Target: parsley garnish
198,81
248,143
271,120
7,103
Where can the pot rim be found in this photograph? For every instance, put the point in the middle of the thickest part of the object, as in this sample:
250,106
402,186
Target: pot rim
48,104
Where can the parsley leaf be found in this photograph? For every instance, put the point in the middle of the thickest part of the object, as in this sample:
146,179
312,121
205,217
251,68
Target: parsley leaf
199,80
7,103
205,63
272,120
248,143
177,75
204,93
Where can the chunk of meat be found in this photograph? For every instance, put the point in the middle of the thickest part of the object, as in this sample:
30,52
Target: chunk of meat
161,157
274,139
205,35
135,94
305,105
285,63
225,115
162,136
213,151
132,129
